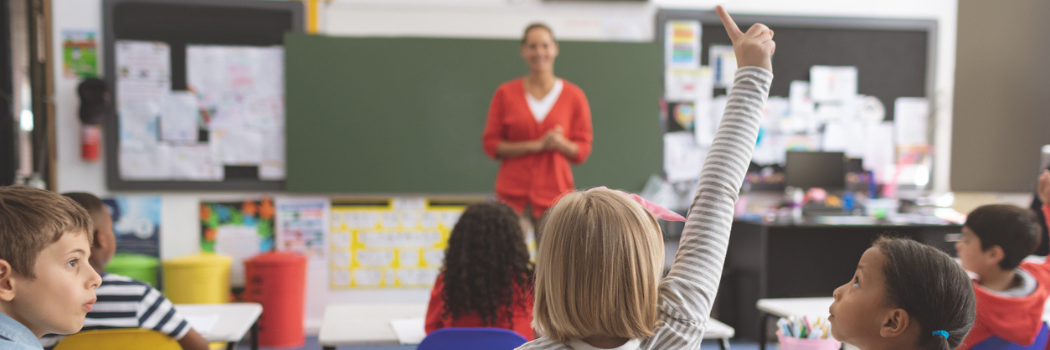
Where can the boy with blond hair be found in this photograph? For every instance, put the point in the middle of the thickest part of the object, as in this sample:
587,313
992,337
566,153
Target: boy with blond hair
46,282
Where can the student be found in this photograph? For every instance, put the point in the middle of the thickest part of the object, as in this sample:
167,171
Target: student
599,263
904,295
46,285
124,302
1010,292
487,277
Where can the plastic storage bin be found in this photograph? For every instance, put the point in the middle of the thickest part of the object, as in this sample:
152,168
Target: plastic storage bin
198,279
277,280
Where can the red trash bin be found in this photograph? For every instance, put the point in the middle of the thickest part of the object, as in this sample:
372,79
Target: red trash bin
277,280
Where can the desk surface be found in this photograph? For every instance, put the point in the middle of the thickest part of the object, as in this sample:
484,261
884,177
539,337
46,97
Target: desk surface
369,324
364,324
819,307
234,319
796,306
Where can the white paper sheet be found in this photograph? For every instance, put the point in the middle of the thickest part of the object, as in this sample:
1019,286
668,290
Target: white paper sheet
149,163
722,60
142,61
683,158
202,323
179,121
139,107
240,243
687,84
237,146
409,330
911,117
879,151
194,162
832,83
682,44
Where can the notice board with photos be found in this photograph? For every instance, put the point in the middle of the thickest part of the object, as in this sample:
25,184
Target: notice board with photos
197,89
863,86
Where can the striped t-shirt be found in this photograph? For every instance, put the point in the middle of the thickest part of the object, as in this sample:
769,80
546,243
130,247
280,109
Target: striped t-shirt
688,291
124,302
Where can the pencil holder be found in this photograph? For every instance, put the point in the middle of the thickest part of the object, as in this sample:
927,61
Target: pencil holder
790,343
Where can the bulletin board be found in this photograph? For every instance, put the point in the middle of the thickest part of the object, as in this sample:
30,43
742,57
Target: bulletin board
228,134
894,58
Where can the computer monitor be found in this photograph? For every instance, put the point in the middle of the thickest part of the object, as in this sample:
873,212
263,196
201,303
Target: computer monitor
825,170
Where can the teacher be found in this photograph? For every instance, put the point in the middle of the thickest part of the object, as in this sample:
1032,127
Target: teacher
537,125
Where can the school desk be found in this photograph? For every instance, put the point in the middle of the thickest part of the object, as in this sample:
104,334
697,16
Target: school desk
233,322
804,259
369,324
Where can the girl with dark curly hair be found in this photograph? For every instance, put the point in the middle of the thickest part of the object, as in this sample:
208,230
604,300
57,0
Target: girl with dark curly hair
487,277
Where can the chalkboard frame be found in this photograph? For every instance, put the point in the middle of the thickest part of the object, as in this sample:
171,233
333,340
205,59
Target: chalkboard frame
262,36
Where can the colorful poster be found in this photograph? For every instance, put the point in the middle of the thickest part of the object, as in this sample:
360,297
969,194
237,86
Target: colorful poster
388,245
79,53
302,226
237,229
136,224
682,44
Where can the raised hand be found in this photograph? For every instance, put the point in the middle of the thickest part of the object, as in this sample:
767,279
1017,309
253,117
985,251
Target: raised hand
1043,190
753,48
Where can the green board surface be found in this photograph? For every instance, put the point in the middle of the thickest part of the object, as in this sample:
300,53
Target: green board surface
405,115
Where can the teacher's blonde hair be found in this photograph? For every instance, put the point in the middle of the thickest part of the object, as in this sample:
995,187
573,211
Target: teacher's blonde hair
597,268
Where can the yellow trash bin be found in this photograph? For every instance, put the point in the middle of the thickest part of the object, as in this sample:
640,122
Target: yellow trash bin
198,279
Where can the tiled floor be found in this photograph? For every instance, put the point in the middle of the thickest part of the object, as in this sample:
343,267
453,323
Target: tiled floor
311,344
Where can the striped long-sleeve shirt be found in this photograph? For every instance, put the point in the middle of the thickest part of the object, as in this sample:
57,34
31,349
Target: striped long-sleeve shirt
124,302
688,291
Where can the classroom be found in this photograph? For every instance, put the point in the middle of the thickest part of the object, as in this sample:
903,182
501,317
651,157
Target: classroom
350,174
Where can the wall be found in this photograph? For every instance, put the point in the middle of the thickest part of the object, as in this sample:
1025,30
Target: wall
1002,84
470,18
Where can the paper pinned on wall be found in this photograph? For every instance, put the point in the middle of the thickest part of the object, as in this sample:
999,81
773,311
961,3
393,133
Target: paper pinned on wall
911,116
879,151
143,61
832,83
683,84
722,60
682,44
703,127
683,158
238,146
179,121
302,225
240,243
194,162
147,163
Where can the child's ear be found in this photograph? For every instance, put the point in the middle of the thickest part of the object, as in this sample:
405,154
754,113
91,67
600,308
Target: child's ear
895,324
7,282
994,254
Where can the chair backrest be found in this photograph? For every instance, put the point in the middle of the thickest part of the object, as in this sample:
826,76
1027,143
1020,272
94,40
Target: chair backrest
472,338
996,343
118,339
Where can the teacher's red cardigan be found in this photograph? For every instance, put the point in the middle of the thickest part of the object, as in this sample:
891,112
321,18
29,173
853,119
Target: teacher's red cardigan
539,177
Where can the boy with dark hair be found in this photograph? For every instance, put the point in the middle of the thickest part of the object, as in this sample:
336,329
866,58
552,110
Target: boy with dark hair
1010,292
46,284
124,302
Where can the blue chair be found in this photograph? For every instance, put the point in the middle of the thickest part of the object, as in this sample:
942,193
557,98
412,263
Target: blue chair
996,343
471,338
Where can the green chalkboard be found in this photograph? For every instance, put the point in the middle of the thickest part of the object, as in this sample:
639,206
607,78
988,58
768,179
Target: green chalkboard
405,115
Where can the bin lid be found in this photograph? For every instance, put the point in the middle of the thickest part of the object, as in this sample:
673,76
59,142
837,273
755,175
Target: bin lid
276,258
197,260
132,261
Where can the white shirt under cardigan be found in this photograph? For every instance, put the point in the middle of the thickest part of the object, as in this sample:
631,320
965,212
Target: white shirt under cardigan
540,107
688,291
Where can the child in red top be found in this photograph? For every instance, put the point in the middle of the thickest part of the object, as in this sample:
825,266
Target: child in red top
487,277
1010,291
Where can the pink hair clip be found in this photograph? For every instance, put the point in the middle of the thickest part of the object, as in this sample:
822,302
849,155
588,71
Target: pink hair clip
658,211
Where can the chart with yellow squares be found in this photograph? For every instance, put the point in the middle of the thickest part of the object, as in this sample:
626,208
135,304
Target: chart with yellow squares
394,243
